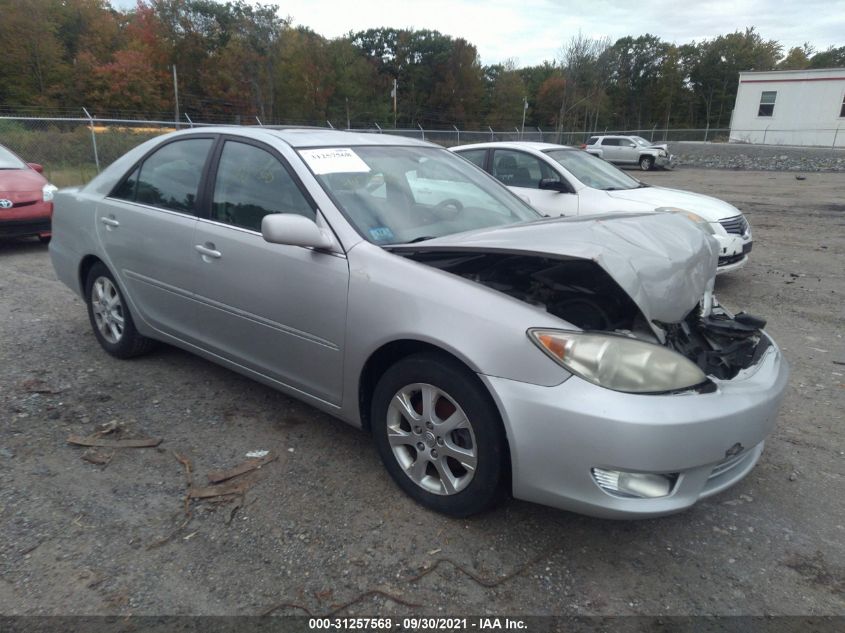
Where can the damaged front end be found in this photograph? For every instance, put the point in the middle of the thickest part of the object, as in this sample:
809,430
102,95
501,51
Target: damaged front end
720,344
580,292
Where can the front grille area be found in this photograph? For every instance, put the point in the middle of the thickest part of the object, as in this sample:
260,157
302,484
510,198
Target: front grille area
22,229
733,259
727,464
737,225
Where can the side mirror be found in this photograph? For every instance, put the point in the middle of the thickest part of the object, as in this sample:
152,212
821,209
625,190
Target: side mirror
37,167
632,144
294,230
550,184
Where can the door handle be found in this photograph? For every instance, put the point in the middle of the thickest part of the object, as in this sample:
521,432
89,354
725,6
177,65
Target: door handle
109,221
207,250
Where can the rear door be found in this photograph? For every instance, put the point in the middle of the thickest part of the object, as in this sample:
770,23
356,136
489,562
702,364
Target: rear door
611,150
522,173
275,309
146,228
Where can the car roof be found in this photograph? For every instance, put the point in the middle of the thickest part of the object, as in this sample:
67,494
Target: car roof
300,137
514,145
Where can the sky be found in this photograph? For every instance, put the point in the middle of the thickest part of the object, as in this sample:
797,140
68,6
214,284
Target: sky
531,31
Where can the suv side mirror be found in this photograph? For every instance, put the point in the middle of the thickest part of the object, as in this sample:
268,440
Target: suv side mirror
632,144
550,184
294,230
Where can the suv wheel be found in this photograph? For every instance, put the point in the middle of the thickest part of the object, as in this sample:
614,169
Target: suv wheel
646,162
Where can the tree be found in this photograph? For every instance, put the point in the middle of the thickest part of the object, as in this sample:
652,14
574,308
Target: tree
798,58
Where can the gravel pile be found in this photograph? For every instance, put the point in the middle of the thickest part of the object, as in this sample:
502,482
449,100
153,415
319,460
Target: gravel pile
758,157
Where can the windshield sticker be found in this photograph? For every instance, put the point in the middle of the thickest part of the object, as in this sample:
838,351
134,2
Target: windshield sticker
334,160
381,234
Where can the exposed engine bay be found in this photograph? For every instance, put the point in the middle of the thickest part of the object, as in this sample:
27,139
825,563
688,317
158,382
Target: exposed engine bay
580,292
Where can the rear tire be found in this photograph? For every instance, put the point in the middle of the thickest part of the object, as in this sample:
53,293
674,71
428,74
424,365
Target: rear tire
646,162
449,454
110,317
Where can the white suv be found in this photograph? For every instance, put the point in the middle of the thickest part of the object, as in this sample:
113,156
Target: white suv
559,180
630,150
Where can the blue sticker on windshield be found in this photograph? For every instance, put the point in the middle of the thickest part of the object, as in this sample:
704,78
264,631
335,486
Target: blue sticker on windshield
381,234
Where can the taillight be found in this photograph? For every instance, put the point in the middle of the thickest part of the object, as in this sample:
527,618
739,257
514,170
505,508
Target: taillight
583,146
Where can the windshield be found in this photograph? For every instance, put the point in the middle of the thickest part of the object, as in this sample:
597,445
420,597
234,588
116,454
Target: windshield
9,161
592,170
398,195
639,140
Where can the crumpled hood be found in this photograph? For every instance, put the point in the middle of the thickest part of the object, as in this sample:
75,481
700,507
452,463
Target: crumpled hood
709,208
662,260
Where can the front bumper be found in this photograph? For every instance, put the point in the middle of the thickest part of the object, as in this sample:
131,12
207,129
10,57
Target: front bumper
667,162
32,219
733,251
558,434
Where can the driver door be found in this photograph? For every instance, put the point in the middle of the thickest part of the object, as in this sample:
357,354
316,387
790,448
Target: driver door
276,309
522,172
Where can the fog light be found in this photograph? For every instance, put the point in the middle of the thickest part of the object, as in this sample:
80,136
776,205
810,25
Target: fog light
636,485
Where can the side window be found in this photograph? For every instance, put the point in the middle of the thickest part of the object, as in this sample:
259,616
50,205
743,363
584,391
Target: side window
169,178
518,169
252,183
475,156
592,140
613,142
128,188
767,103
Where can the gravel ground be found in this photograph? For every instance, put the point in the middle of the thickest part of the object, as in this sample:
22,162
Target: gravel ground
324,526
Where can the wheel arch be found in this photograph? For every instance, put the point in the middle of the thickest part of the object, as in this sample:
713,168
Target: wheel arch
391,353
85,266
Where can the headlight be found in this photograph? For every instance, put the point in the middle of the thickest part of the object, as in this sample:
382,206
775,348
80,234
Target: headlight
617,362
696,219
47,192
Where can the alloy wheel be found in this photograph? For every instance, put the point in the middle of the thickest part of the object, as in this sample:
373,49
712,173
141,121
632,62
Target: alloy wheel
108,309
432,439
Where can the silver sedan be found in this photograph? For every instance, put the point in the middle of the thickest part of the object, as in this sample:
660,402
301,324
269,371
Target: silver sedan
580,363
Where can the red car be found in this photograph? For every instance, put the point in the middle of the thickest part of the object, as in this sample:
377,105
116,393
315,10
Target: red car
26,198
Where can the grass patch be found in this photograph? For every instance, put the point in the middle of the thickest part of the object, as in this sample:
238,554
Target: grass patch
70,175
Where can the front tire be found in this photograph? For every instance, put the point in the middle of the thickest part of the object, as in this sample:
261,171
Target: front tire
646,162
110,317
439,435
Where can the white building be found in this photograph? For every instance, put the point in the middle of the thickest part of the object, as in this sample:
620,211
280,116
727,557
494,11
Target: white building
790,107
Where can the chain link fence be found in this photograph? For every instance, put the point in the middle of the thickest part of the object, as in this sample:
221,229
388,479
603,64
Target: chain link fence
74,150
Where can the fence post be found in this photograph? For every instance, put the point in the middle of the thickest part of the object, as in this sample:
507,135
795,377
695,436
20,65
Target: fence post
541,133
421,130
93,139
492,136
706,131
459,134
652,132
377,127
191,123
259,122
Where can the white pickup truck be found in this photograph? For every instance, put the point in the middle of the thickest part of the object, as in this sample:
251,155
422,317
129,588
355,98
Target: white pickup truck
630,150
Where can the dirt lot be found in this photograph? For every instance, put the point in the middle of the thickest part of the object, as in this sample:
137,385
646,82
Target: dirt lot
324,526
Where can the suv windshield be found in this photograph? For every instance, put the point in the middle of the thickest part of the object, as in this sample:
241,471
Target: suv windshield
639,140
9,161
398,195
592,170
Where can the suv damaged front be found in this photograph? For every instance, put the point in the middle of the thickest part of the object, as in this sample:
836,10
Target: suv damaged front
679,391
